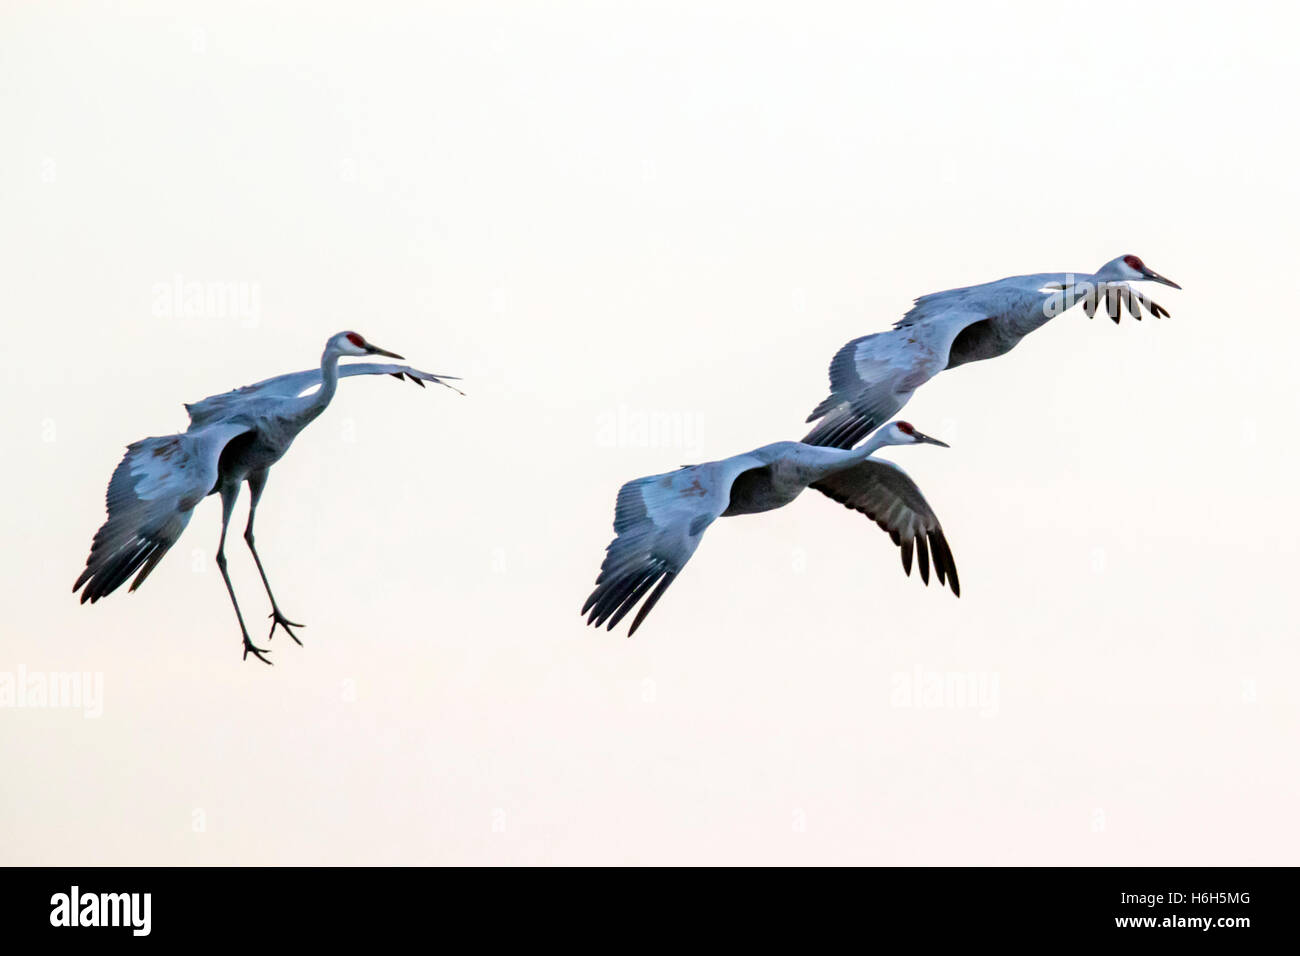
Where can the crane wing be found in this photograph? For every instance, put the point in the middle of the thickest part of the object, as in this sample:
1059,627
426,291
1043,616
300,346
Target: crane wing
293,384
884,493
936,305
1111,295
659,521
874,376
150,499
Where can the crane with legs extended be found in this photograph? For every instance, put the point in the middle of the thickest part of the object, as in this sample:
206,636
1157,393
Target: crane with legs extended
233,438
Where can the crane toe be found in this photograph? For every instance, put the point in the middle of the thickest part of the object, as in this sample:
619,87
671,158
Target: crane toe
279,620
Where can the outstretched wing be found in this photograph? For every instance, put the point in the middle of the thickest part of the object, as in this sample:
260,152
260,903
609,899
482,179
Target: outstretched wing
295,383
884,493
659,521
150,499
1111,295
874,376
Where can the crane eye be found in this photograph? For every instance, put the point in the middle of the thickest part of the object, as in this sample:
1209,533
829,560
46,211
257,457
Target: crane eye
1133,262
356,340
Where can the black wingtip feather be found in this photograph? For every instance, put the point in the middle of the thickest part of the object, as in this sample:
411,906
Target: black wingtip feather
645,584
615,594
620,588
651,601
943,560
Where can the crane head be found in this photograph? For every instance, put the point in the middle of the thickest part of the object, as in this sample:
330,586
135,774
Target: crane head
904,433
1131,269
353,343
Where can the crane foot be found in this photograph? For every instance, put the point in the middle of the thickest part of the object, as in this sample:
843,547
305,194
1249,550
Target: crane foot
281,621
259,653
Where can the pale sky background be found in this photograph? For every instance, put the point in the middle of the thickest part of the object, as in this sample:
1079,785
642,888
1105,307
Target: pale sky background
597,213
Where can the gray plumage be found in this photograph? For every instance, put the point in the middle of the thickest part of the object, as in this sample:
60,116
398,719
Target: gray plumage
874,376
234,437
659,520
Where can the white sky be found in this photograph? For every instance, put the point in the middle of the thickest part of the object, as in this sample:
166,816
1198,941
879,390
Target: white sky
595,212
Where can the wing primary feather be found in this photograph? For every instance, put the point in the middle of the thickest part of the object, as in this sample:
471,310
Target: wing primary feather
619,577
940,569
146,569
941,544
646,583
1131,302
622,589
1112,304
923,559
651,601
110,578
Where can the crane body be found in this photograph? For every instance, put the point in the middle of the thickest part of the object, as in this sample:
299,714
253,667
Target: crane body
874,376
234,438
659,520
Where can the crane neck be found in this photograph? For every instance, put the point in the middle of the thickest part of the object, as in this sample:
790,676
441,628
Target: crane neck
870,447
819,461
318,400
826,461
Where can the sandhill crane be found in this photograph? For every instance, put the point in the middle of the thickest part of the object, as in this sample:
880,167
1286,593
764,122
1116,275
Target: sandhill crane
233,437
659,520
874,376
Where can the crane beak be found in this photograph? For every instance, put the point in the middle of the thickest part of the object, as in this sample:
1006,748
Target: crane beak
1157,277
376,350
927,440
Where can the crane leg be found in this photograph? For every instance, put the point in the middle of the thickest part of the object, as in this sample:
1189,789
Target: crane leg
257,482
228,496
